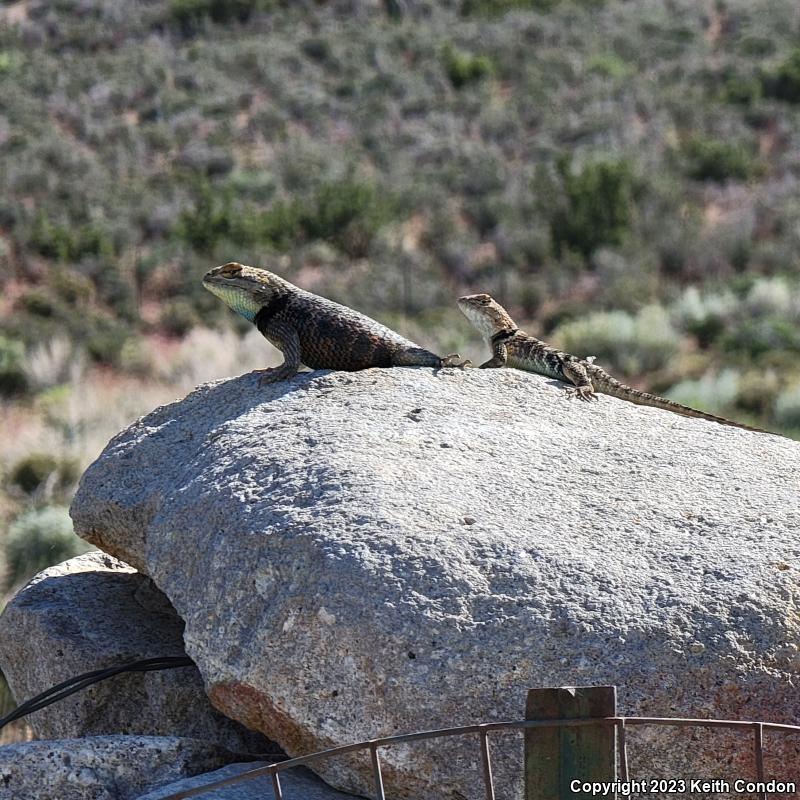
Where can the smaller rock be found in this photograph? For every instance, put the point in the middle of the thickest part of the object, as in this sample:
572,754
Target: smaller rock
93,612
102,767
296,784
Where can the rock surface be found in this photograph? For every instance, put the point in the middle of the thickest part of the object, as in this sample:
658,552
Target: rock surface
358,555
296,784
101,767
92,612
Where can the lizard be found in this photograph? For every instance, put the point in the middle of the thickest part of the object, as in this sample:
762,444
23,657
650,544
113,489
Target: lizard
515,348
312,330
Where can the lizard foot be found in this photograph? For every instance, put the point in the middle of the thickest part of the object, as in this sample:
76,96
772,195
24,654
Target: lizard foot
272,375
581,393
453,361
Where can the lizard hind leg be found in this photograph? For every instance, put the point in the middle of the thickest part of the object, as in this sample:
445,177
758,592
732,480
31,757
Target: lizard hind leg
583,388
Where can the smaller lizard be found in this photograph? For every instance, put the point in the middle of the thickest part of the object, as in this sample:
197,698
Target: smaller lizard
514,348
310,330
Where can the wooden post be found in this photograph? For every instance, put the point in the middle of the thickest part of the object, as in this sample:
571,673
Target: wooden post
555,757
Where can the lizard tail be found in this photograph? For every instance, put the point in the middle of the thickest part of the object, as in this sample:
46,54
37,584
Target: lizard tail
605,384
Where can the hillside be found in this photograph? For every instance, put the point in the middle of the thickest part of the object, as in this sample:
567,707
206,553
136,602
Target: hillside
622,175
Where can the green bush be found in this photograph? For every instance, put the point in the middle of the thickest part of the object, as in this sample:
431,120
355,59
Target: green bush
37,540
189,13
34,470
463,68
609,65
597,206
104,339
67,242
783,83
495,7
71,287
38,303
787,407
757,337
758,391
347,213
12,366
705,316
758,46
177,318
209,221
279,226
632,345
715,160
714,392
742,90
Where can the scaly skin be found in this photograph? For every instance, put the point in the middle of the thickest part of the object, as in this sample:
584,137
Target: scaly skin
311,330
514,348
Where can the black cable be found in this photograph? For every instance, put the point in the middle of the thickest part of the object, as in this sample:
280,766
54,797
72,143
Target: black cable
75,684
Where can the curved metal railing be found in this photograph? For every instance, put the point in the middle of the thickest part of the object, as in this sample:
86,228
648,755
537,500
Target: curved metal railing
482,731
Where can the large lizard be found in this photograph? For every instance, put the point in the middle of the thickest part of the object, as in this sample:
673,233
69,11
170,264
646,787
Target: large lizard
515,348
311,330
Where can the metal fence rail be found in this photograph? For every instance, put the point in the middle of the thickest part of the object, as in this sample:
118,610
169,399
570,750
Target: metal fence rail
482,731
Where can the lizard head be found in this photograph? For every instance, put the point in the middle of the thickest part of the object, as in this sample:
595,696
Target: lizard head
486,314
245,289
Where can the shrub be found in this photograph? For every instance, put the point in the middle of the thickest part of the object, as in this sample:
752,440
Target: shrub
758,46
787,407
704,316
279,226
38,303
783,83
464,68
209,221
177,318
608,65
346,212
714,160
37,540
773,296
71,287
12,366
742,90
713,392
189,13
758,391
35,470
69,243
597,206
757,337
104,339
51,362
495,7
633,345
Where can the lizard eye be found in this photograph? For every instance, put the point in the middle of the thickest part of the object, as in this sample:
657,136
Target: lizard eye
231,270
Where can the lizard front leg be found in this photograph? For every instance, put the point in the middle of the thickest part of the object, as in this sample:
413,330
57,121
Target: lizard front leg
576,372
499,356
286,339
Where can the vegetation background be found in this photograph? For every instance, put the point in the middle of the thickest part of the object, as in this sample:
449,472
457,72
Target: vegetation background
622,175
